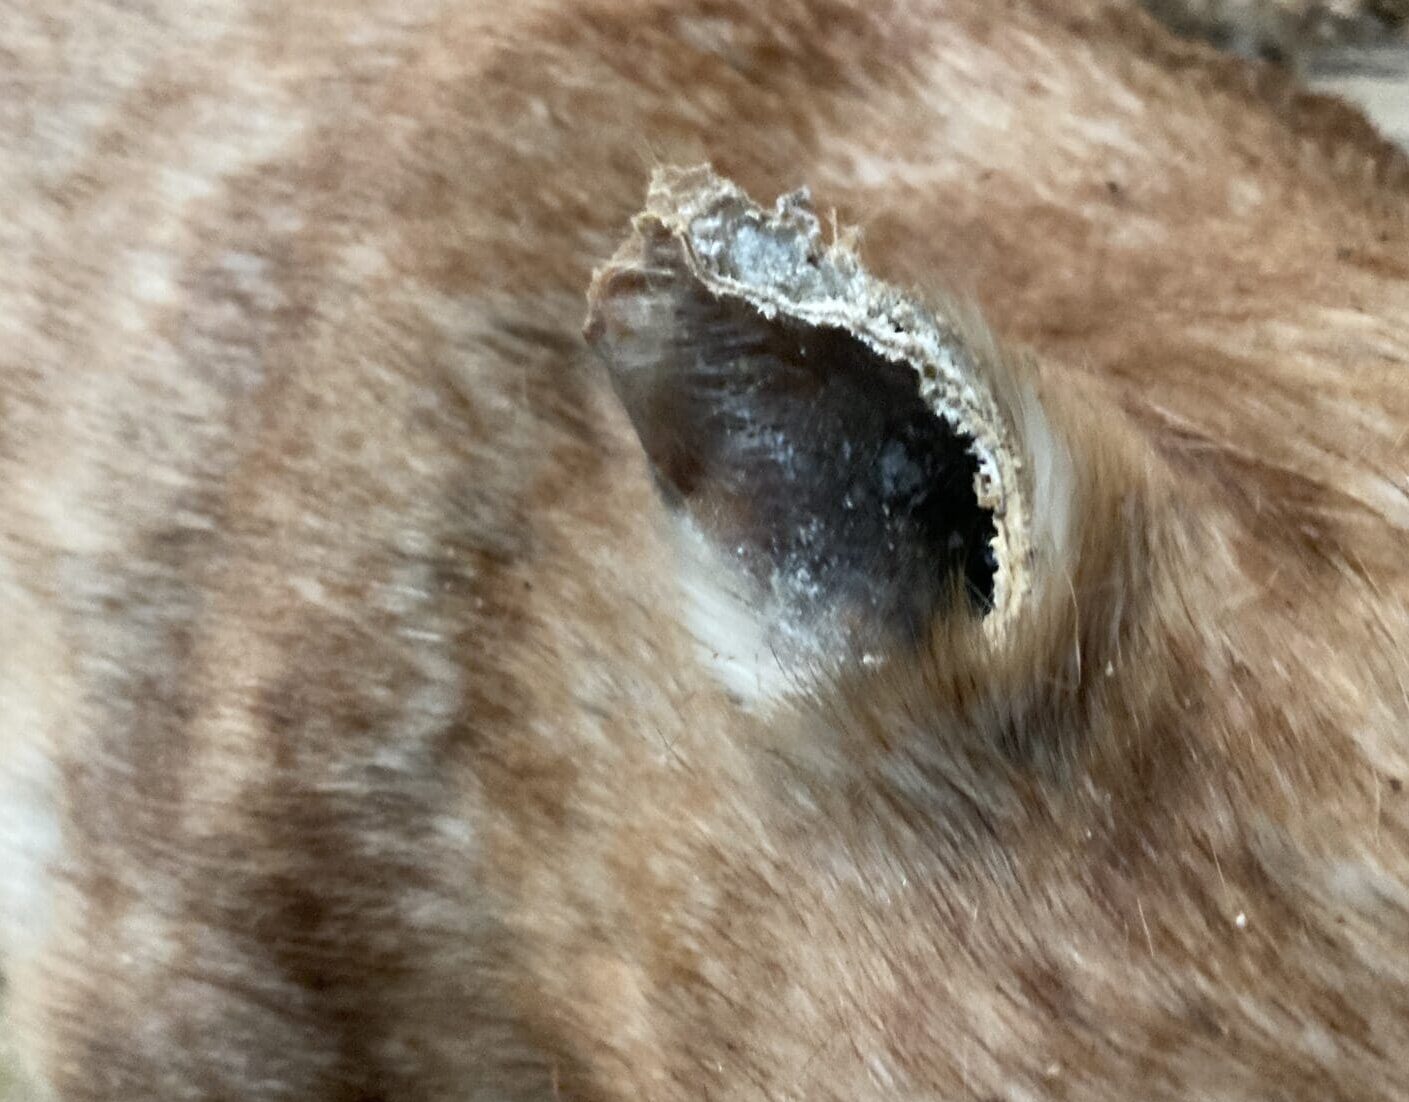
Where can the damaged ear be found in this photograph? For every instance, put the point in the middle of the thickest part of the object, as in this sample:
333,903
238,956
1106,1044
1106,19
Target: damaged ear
844,465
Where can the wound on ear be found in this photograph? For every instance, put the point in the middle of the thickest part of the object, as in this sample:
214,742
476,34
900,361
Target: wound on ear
834,447
813,460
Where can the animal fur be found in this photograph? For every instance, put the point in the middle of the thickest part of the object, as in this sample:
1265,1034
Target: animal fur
358,741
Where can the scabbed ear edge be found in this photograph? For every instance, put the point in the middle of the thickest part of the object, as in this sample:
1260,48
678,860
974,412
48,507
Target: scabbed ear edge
701,239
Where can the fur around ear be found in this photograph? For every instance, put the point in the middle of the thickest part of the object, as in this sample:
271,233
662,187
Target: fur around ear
860,464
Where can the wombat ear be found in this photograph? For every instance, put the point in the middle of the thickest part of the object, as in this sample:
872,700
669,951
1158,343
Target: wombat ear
845,466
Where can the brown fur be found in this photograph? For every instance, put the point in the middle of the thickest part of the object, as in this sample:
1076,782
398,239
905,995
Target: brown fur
340,627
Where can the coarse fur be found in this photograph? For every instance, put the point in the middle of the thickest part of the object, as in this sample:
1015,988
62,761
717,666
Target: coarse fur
356,740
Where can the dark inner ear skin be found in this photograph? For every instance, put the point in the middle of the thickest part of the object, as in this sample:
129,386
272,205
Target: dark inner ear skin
810,458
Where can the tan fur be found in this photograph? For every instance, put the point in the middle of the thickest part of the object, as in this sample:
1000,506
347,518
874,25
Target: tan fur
353,745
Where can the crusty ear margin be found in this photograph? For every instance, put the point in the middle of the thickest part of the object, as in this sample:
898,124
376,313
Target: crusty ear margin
699,231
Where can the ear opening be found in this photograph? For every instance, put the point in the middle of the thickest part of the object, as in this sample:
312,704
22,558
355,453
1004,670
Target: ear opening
856,462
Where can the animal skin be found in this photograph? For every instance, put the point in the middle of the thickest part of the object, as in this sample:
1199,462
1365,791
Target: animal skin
938,635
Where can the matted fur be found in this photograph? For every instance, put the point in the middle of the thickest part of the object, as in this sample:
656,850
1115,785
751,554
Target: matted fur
355,745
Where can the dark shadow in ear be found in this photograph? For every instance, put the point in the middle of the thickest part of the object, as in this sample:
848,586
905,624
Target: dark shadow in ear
847,467
813,460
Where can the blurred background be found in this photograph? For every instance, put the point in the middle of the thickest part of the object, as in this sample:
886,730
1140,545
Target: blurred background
1356,49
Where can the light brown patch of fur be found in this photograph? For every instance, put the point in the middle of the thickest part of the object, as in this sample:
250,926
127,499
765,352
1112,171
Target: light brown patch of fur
382,764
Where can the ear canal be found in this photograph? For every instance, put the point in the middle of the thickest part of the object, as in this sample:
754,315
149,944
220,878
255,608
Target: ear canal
851,458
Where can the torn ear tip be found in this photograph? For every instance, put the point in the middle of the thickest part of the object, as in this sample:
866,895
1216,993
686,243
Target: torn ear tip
701,247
